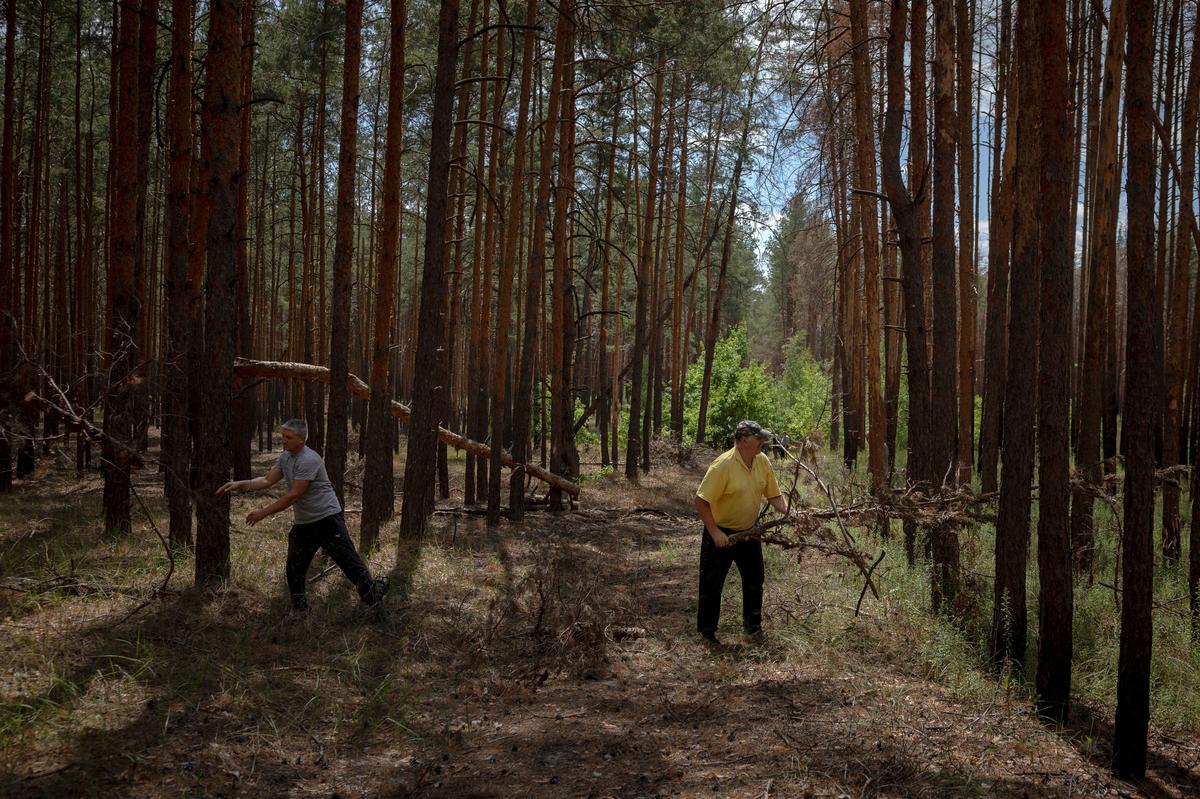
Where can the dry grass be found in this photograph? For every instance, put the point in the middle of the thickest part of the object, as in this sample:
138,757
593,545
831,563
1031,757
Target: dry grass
554,658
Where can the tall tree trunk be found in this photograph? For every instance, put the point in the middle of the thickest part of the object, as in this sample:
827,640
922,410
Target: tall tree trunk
643,275
1183,257
944,540
343,255
121,403
967,299
868,216
514,219
8,273
1009,613
483,256
176,443
484,220
378,487
147,47
1137,562
904,209
1056,256
430,388
220,127
919,167
1101,258
32,342
1177,329
244,404
995,361
678,349
564,457
603,373
522,404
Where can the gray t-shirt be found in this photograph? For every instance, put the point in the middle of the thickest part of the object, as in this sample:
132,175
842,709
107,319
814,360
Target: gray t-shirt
318,500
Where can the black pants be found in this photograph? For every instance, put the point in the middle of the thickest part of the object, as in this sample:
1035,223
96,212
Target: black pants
714,566
330,535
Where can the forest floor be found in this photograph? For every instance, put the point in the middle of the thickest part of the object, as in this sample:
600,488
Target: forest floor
556,658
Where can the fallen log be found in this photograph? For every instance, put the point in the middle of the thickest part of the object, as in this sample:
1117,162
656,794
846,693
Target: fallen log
283,370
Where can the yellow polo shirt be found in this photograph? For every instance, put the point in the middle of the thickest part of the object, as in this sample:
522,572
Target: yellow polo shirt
736,491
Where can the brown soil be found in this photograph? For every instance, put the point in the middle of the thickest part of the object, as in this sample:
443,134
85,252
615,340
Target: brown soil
553,659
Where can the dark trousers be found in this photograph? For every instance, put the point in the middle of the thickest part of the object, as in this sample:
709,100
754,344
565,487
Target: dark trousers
714,566
330,535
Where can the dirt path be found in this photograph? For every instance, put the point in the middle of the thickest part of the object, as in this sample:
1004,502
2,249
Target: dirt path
557,659
663,715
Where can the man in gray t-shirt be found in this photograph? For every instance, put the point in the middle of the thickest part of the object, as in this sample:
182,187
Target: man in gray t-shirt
318,519
318,500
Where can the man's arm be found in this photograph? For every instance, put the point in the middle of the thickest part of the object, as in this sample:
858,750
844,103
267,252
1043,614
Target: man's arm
257,484
780,504
710,523
283,503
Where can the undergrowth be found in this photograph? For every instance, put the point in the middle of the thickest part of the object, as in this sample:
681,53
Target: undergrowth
954,652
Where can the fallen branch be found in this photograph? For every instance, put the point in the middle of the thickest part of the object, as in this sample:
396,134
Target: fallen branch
282,370
113,448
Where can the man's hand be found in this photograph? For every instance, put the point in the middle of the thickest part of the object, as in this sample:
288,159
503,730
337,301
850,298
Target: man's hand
255,516
719,538
230,487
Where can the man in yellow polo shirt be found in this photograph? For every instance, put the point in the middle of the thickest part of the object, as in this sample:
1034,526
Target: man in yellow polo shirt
729,500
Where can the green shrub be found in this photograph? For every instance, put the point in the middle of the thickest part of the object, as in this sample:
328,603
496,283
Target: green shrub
802,391
739,389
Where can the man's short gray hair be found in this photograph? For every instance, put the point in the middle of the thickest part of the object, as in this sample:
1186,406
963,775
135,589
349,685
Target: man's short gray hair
297,426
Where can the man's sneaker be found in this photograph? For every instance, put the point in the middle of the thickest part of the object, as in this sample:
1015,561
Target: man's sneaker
377,591
710,638
755,636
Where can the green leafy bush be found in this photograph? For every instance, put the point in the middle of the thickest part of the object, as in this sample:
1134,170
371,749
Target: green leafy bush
740,389
802,391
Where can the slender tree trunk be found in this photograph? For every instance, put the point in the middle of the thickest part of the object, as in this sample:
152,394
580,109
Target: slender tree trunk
603,379
514,218
147,47
1056,257
995,361
868,216
1177,330
678,342
343,255
244,404
121,402
967,298
1009,614
176,444
944,540
522,405
1183,257
1137,563
1102,258
9,304
564,457
378,487
221,130
904,209
643,275
919,167
430,388
477,377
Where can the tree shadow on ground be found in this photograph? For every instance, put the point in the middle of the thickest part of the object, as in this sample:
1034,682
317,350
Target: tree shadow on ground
214,693
611,737
1092,736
